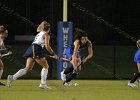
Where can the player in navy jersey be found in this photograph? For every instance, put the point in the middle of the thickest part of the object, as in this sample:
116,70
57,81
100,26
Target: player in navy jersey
34,54
81,41
137,61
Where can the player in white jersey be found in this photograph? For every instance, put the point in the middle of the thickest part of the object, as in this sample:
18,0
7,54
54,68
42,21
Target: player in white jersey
3,35
33,54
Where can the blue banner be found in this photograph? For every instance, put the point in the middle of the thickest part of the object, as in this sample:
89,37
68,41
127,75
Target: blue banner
64,39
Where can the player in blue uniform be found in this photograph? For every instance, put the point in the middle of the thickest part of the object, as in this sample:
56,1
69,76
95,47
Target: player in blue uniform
34,54
81,41
136,60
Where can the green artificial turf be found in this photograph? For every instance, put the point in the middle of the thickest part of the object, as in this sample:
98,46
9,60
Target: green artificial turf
87,90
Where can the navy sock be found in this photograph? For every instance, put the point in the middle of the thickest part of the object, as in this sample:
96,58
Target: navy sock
71,76
135,77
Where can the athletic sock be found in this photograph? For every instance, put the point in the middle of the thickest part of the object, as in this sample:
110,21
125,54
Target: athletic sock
1,72
71,76
20,73
135,77
44,73
68,70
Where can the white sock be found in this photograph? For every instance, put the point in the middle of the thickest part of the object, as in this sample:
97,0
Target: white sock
44,73
1,71
20,73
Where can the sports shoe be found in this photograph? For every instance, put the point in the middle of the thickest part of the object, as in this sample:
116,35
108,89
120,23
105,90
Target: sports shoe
2,84
44,86
9,80
67,84
131,84
63,76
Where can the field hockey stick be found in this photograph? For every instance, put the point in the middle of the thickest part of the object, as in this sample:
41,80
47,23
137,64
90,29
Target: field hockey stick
65,59
59,58
80,64
9,53
83,62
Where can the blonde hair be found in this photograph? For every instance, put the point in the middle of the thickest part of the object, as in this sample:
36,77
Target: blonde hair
44,26
3,31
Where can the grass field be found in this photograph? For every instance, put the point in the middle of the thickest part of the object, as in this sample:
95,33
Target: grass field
87,90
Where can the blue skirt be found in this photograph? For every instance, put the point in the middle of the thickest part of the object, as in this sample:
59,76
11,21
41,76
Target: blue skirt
34,51
69,53
137,56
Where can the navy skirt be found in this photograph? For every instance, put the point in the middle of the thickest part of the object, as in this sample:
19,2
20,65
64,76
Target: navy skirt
34,51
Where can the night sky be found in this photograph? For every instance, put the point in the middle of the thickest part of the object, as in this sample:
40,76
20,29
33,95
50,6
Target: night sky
21,17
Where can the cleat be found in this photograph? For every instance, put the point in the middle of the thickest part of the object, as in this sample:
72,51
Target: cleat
63,76
9,80
44,86
1,84
67,84
131,84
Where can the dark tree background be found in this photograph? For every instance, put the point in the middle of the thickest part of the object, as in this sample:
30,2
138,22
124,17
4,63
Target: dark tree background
21,17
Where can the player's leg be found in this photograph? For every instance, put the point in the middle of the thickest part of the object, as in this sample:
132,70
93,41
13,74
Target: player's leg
138,71
135,77
29,65
73,73
66,71
1,71
69,69
44,72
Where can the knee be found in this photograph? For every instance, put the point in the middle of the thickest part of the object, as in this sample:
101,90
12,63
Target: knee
28,69
46,66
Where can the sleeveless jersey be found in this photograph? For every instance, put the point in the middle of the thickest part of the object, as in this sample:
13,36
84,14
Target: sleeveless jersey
39,39
81,46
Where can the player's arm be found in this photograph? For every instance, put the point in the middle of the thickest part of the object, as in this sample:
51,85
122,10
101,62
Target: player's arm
47,44
90,52
2,42
3,46
138,43
3,36
75,52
